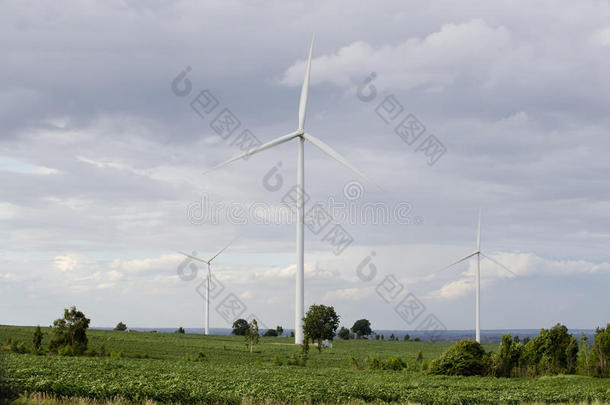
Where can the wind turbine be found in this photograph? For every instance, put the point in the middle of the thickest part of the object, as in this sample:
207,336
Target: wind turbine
478,254
301,136
207,295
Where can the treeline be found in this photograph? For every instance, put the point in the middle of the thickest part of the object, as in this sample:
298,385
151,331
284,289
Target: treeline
553,351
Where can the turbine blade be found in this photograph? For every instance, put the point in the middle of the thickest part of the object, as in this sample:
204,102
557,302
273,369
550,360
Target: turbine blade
305,89
335,155
456,262
479,232
222,250
256,149
499,264
193,257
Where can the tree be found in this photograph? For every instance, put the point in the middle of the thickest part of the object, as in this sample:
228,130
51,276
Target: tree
71,330
270,333
508,357
251,334
320,322
37,339
465,357
240,327
362,327
180,330
344,333
120,326
279,330
601,351
406,337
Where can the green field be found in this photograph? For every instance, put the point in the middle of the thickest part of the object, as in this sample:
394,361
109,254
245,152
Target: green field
231,374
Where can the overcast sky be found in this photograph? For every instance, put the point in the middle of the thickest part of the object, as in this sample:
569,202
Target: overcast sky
102,157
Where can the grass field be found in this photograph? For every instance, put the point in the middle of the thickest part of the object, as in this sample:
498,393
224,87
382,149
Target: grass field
232,375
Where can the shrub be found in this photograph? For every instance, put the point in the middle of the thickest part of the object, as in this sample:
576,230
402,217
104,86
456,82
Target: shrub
355,363
374,363
277,361
463,358
65,351
394,363
270,333
116,354
295,360
18,347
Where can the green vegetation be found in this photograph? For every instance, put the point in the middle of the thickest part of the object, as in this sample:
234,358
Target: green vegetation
70,333
240,327
155,366
320,322
120,327
362,327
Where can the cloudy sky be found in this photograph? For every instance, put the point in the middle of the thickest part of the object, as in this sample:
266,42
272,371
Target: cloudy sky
110,113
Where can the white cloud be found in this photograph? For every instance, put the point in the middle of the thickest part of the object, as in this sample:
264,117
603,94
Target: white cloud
66,262
435,60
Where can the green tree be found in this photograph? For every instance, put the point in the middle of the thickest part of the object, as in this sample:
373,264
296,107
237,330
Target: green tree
362,327
601,351
466,357
240,327
180,330
584,355
270,333
71,330
320,322
344,333
406,338
120,326
251,334
279,330
37,339
508,357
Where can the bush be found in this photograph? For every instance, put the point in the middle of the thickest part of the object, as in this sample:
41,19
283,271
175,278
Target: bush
116,354
374,363
394,363
466,357
601,352
18,347
277,361
295,360
65,351
200,357
344,333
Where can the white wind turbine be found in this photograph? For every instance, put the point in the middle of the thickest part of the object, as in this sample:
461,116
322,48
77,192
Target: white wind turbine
300,135
478,254
207,295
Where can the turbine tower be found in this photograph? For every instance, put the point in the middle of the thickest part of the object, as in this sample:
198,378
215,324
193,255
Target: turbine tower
477,291
207,295
301,136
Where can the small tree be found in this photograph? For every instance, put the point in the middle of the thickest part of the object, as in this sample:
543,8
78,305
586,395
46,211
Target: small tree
344,333
251,334
71,330
320,322
279,330
121,327
37,339
180,330
601,351
362,327
406,337
240,327
270,333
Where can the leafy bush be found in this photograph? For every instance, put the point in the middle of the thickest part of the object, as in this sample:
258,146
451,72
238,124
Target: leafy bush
373,363
295,360
65,351
70,330
463,358
601,352
394,363
117,354
277,361
200,357
506,362
18,347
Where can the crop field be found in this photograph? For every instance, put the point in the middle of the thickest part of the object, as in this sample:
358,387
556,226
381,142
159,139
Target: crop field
153,367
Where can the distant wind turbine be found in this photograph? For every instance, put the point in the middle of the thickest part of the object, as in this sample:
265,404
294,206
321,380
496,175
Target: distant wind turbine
301,136
207,295
478,254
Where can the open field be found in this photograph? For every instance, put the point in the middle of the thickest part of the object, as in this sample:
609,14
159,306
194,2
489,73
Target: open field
230,374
